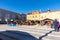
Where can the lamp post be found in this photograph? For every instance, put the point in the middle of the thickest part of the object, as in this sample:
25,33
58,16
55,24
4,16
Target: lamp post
11,21
0,19
6,21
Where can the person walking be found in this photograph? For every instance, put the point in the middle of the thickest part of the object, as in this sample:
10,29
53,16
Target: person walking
51,24
56,25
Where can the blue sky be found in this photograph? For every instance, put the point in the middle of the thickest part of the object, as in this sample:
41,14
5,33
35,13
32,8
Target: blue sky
25,6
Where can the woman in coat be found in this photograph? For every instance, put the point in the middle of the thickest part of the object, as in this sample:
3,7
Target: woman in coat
56,25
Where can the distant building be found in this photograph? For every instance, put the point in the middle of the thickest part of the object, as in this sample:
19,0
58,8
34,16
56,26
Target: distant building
6,15
36,15
22,17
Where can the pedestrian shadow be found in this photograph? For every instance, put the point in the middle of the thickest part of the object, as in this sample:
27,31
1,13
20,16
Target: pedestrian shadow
16,35
40,38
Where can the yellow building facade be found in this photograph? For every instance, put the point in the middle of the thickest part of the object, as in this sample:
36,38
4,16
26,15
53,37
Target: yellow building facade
33,16
43,15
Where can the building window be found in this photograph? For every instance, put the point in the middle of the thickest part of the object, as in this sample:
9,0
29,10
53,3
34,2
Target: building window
30,17
1,14
42,17
35,16
7,16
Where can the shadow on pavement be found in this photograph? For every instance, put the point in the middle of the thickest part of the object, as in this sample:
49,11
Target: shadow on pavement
40,38
16,35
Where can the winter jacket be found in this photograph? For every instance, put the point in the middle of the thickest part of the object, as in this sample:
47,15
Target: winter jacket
58,24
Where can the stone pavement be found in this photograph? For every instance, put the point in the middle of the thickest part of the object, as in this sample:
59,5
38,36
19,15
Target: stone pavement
52,36
34,32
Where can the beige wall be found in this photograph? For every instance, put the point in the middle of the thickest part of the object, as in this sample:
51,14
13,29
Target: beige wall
33,17
41,16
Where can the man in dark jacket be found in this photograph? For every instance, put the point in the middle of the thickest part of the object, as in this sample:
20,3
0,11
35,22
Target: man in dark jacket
56,25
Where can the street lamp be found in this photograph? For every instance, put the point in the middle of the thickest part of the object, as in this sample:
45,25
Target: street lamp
6,21
0,19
